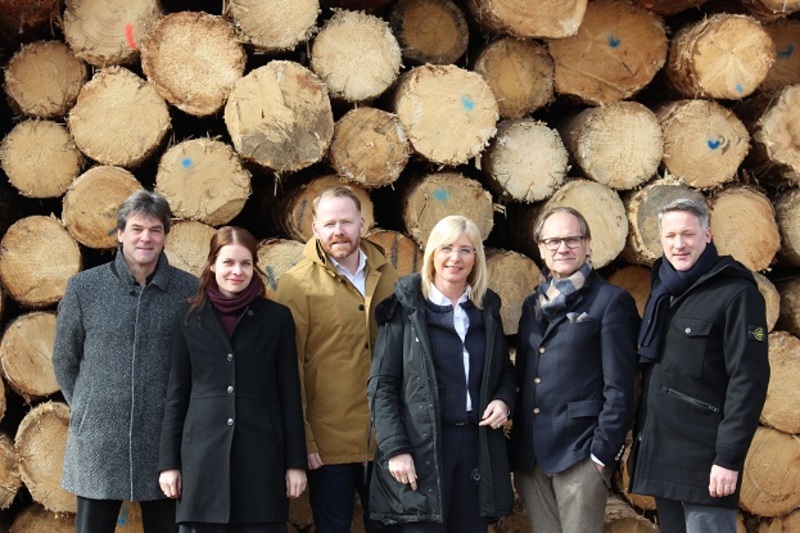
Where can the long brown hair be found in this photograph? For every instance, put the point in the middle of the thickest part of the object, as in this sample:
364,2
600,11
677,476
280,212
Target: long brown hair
224,236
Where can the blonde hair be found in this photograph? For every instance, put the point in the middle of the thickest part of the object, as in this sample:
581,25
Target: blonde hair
446,232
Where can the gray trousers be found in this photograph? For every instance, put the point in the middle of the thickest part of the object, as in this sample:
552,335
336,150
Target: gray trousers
572,501
682,517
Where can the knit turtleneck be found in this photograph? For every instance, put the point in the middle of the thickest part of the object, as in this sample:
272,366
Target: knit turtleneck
229,309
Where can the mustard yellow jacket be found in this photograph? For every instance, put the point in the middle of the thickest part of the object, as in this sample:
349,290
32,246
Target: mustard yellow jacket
336,332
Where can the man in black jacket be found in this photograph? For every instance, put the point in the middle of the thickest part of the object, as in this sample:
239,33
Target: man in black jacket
703,345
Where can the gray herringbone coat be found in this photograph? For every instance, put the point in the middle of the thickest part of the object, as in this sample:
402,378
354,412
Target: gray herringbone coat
112,359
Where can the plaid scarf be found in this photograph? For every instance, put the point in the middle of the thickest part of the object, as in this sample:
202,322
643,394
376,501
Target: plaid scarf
554,295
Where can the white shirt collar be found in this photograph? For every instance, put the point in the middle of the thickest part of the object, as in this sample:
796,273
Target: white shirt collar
436,296
362,263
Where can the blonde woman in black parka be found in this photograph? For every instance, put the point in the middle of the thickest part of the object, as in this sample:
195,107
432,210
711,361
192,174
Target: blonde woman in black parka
441,388
233,445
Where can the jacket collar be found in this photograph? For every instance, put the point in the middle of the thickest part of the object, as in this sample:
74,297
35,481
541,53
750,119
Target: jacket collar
160,277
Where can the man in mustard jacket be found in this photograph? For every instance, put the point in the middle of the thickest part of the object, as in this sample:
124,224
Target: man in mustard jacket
332,294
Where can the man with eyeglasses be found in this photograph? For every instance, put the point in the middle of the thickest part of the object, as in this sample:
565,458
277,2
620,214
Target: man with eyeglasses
703,349
576,365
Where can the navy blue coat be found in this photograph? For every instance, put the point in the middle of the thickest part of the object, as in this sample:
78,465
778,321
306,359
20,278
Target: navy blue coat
576,380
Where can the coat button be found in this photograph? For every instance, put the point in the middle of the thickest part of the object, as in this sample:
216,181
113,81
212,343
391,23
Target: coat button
688,330
541,349
360,307
229,357
230,389
230,421
536,410
249,312
537,380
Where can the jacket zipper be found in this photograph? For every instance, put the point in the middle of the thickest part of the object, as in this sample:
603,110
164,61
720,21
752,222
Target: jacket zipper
690,399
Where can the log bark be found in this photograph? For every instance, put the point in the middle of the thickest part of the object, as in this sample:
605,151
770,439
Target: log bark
619,144
275,257
293,209
193,60
36,519
356,56
783,396
429,96
622,518
513,277
668,7
743,225
119,119
724,56
90,206
704,142
40,442
782,524
787,215
520,74
616,52
430,31
369,148
26,353
203,180
434,196
40,158
273,26
23,17
188,245
401,250
789,319
3,402
37,257
10,481
785,71
279,116
106,33
43,79
643,244
636,280
773,121
526,161
772,299
771,477
545,19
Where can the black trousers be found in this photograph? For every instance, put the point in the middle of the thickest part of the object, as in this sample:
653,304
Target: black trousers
100,516
460,505
267,527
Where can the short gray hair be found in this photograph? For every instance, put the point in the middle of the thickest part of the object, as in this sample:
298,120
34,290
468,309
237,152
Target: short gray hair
144,202
537,232
687,205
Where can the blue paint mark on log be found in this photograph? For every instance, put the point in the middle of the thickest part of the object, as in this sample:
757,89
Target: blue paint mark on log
714,144
467,102
613,42
273,283
739,88
786,52
441,194
187,162
123,516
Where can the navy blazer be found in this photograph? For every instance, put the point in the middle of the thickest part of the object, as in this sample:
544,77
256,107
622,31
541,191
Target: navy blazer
575,378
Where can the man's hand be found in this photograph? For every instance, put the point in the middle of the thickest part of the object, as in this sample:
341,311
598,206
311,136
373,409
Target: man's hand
295,482
314,461
722,482
402,469
170,483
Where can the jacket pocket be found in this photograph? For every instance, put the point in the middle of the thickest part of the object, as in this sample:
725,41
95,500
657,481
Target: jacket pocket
691,400
688,338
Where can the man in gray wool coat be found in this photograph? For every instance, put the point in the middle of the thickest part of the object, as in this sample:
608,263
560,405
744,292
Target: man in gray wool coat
112,359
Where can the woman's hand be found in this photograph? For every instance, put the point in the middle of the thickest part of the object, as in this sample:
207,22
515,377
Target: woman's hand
495,415
170,483
402,469
295,482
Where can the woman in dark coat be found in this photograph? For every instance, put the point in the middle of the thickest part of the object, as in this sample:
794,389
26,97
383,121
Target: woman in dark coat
232,443
441,388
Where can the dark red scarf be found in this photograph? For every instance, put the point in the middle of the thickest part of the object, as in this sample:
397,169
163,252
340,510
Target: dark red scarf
230,309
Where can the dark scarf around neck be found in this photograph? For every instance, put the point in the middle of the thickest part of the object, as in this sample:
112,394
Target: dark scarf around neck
673,284
230,309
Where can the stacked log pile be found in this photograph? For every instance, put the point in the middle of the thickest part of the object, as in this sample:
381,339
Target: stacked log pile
495,109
